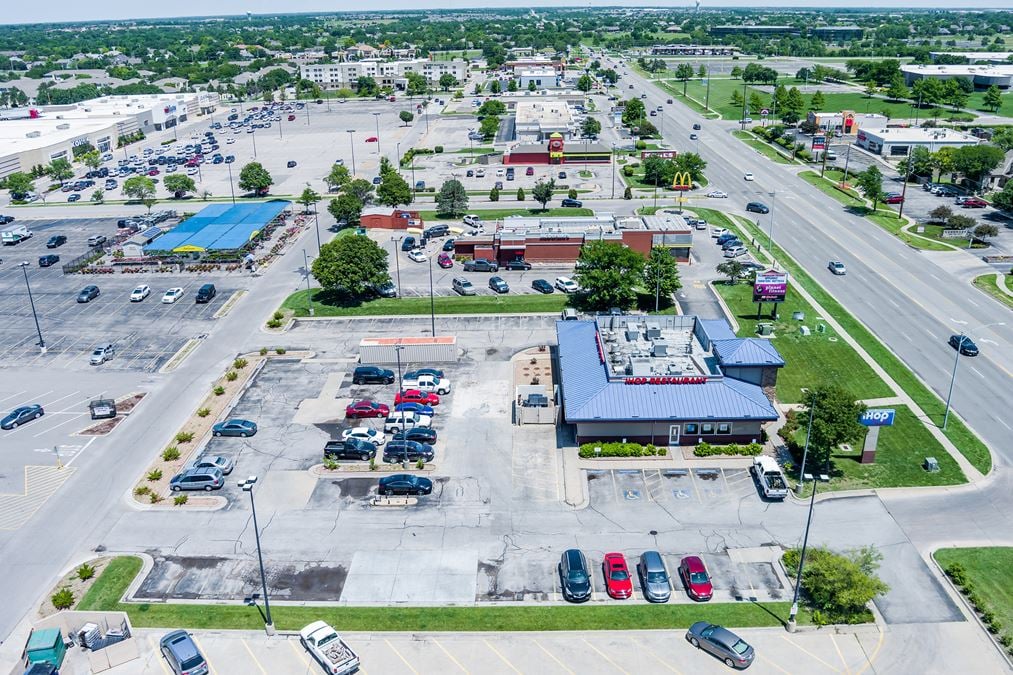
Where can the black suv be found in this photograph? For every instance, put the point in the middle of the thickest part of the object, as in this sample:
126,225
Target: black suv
372,375
574,576
757,207
206,292
572,203
351,448
47,260
480,265
407,451
522,265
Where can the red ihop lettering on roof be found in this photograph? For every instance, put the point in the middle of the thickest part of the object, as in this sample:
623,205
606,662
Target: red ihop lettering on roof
695,379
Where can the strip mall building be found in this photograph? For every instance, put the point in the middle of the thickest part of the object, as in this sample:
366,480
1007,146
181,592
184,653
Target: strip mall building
666,380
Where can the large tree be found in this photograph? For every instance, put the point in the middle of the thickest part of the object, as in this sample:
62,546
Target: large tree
361,189
870,182
1004,198
634,112
255,178
609,274
346,208
590,127
488,127
542,192
447,80
835,414
491,107
684,72
976,161
139,188
993,98
308,198
179,185
417,84
338,176
393,190
452,199
661,274
732,269
584,83
60,169
353,265
366,86
920,161
19,184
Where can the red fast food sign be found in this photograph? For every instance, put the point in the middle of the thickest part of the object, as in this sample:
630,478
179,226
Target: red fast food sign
695,379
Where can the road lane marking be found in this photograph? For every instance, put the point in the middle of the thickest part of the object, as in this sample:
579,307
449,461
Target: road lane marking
979,373
604,656
552,656
449,655
73,418
875,652
11,396
847,669
81,451
403,659
502,658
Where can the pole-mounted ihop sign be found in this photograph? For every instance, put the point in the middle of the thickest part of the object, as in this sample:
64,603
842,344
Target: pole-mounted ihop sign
878,417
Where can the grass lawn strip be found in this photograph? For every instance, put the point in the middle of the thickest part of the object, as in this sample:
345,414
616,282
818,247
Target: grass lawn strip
989,283
105,594
497,214
957,432
762,147
990,569
323,305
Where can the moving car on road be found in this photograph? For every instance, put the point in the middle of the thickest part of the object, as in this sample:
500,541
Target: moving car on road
837,267
235,427
717,194
18,416
757,207
748,176
964,344
722,643
571,203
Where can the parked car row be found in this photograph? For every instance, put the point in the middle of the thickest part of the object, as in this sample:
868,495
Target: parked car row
208,471
655,582
204,294
731,245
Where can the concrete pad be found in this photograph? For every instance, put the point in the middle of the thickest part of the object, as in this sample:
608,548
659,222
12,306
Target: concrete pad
915,594
412,576
285,490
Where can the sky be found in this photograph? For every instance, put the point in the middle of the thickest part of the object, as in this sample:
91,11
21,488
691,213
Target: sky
90,10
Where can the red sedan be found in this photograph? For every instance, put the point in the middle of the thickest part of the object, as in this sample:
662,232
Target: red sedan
371,139
416,396
366,408
974,203
695,578
893,199
445,261
618,583
153,172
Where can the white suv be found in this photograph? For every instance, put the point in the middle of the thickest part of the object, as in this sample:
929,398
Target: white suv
566,284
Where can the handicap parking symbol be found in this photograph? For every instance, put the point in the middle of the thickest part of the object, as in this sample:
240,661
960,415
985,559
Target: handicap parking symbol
631,495
680,494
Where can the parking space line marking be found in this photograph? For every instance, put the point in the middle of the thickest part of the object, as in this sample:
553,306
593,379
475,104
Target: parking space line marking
403,659
449,655
552,656
11,396
657,658
504,659
875,652
73,418
604,656
769,662
253,656
615,488
692,481
159,657
806,651
298,652
847,669
204,652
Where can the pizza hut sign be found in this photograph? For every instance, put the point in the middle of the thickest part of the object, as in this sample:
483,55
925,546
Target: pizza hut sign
695,379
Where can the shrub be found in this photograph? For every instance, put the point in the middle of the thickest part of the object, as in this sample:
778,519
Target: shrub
641,145
438,149
619,450
993,626
278,315
372,464
203,412
219,390
154,474
231,376
956,572
572,194
239,364
85,572
154,497
279,350
274,323
707,450
421,464
179,500
628,171
330,464
184,437
170,454
63,598
263,351
1006,640
988,616
141,490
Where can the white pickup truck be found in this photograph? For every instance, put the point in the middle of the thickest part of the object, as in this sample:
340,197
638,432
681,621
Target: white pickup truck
429,384
327,647
770,477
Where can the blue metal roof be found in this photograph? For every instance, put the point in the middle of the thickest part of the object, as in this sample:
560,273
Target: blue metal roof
589,395
716,329
221,227
746,352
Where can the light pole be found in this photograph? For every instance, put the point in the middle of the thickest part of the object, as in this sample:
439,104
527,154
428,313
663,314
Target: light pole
232,186
397,156
247,486
613,170
397,263
432,301
956,359
254,135
351,144
906,175
397,350
770,230
306,271
31,300
376,117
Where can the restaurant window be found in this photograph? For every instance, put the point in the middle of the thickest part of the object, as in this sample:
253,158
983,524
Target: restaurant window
692,429
724,428
706,428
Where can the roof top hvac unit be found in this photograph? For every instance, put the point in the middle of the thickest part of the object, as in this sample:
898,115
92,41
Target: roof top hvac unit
659,347
653,333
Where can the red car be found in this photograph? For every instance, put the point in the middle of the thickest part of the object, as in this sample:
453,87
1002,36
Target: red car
153,172
445,261
893,199
291,118
371,139
974,203
618,582
530,171
416,396
695,578
366,408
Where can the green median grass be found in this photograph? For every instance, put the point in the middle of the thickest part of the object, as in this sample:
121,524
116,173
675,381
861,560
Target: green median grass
844,196
326,303
989,283
963,438
810,361
762,147
112,583
990,570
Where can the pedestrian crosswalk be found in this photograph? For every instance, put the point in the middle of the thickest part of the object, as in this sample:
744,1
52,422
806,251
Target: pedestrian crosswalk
40,483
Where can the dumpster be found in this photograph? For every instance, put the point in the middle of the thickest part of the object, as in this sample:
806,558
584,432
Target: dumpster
46,646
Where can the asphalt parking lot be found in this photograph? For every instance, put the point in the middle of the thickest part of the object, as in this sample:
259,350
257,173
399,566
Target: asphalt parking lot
146,334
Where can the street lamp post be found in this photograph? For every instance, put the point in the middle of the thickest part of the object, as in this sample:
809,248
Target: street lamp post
964,335
397,263
232,186
31,300
432,301
254,136
801,559
397,156
351,144
306,271
613,170
770,230
376,116
247,486
397,351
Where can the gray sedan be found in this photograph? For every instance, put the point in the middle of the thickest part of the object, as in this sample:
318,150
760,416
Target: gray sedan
722,643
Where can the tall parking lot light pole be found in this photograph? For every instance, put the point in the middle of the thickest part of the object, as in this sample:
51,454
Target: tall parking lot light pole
351,144
397,350
397,263
964,336
905,177
376,117
31,300
306,270
805,544
770,230
613,170
432,301
254,135
397,156
247,486
232,186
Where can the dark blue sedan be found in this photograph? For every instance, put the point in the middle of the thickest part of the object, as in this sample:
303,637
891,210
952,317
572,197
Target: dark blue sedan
235,427
420,408
405,484
21,415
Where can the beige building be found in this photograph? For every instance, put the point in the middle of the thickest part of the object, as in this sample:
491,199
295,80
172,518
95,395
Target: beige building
537,120
393,74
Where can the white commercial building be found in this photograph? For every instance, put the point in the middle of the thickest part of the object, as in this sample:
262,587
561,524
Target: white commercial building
393,74
535,121
899,141
981,76
543,77
977,57
99,122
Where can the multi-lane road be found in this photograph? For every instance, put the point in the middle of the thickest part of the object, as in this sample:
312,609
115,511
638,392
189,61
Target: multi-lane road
909,298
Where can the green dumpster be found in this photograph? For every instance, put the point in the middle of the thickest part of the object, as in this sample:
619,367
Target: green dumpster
46,646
